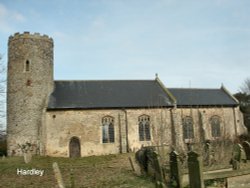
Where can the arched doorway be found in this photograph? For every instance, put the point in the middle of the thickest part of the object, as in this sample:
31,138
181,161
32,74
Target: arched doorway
74,147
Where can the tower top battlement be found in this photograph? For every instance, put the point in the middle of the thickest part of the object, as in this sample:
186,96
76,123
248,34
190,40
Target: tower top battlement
28,35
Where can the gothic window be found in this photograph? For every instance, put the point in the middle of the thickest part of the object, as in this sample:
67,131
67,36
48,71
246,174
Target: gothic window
144,128
108,129
188,129
27,66
215,126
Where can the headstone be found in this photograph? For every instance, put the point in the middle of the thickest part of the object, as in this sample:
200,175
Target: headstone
154,157
246,146
207,147
209,154
27,157
237,156
175,170
195,170
131,163
72,178
58,175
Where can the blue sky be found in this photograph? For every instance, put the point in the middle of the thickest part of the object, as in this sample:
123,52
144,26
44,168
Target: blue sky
197,43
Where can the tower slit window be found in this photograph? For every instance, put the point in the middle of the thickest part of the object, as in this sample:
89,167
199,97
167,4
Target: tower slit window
108,133
144,128
27,66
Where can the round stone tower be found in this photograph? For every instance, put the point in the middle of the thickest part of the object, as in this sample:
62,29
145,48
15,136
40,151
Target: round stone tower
29,84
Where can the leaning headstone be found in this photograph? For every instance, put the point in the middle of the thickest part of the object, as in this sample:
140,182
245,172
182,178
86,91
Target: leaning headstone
246,146
195,170
58,175
175,170
237,156
131,163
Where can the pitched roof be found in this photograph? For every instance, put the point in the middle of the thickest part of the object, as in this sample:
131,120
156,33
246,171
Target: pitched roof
202,97
108,94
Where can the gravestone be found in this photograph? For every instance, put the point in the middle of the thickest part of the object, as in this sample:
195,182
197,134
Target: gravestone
175,170
195,170
237,156
27,157
72,178
246,146
207,148
154,158
58,175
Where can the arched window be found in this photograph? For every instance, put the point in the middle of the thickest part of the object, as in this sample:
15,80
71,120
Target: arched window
27,66
108,135
215,126
188,129
144,128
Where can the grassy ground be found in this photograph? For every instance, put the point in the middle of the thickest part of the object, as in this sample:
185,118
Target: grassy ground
97,171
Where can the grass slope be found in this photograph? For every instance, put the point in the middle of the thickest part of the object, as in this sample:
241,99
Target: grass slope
96,171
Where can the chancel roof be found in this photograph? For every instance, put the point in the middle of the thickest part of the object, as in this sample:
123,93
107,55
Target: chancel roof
202,97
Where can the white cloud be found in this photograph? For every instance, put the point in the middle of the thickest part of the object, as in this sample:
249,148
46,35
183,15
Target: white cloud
18,17
95,30
3,11
59,35
9,17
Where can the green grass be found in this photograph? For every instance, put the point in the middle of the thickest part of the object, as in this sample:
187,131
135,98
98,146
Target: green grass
96,171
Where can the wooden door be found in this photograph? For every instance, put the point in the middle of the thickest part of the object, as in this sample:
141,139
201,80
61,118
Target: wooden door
74,147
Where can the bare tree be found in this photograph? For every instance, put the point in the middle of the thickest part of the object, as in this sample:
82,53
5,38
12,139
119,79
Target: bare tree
244,98
2,95
245,88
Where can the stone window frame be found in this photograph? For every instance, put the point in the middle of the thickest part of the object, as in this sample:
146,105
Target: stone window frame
144,128
108,129
188,128
215,125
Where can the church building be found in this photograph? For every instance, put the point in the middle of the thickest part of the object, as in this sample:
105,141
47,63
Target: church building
76,118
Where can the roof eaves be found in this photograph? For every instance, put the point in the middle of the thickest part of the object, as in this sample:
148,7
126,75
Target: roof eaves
206,106
102,108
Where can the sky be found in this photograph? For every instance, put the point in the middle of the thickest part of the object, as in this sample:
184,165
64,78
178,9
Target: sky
188,43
